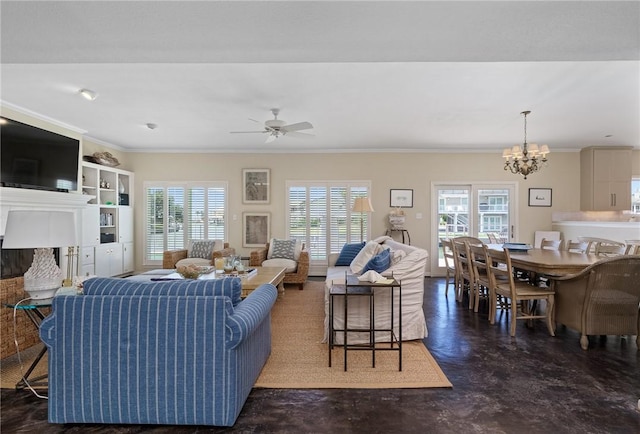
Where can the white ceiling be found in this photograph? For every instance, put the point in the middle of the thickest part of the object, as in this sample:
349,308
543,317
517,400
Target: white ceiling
370,76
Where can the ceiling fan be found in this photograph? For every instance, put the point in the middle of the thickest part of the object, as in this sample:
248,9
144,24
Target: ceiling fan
276,127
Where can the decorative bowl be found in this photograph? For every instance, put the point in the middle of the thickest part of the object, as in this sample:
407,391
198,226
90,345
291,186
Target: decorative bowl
193,271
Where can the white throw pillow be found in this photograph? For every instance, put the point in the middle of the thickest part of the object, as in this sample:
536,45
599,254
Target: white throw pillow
288,264
368,251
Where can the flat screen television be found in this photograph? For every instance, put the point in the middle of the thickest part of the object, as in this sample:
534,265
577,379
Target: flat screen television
31,157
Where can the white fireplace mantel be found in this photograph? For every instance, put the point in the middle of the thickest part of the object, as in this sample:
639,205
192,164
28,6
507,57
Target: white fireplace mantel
26,199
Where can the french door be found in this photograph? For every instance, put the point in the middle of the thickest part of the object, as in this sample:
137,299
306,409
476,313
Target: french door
475,209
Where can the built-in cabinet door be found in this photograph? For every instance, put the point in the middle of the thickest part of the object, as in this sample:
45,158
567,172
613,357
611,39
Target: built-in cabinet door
127,258
125,224
90,228
109,260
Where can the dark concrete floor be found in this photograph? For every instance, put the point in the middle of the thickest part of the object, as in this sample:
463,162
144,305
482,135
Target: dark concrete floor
533,383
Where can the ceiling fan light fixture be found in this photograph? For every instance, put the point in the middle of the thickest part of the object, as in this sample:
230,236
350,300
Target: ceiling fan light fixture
88,94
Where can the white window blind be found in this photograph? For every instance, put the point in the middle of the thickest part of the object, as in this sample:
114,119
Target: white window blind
179,212
320,215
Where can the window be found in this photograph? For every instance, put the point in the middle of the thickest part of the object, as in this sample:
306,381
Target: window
635,195
319,214
179,212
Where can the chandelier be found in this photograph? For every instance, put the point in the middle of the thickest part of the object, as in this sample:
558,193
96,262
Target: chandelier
528,159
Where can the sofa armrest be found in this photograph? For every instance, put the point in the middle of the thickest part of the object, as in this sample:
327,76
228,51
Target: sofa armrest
303,263
227,251
170,257
333,258
257,257
250,313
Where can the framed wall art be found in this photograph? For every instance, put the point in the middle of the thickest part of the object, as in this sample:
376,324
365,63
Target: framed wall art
539,197
256,229
401,198
255,186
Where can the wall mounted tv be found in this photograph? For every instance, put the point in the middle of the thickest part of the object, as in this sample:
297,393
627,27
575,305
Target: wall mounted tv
31,157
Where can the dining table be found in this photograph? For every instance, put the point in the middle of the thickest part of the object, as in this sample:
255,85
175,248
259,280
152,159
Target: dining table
549,262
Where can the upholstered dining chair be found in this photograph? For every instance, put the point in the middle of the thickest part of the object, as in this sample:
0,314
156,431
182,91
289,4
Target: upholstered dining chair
520,293
450,265
602,299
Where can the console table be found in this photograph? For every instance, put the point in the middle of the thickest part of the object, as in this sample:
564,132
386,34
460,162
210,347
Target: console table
356,288
403,232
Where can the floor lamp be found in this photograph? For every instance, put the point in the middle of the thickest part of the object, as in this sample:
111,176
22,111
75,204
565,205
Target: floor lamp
362,205
43,231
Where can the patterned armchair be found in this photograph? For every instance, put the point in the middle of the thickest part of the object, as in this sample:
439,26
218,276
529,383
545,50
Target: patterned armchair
297,270
171,257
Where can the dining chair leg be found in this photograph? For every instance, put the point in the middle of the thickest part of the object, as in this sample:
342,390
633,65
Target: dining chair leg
472,294
550,322
514,314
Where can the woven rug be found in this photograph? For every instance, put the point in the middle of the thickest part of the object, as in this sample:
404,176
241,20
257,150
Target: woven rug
299,360
13,367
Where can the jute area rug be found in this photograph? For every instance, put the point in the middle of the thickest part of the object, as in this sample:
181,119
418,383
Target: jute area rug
299,359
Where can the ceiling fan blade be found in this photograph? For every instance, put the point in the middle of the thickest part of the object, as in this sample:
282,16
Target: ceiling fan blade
251,119
297,127
244,132
298,134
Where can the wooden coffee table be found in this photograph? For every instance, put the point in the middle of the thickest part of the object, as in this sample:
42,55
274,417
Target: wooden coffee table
272,275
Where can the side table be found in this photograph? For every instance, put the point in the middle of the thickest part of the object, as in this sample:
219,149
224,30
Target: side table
402,232
356,288
36,316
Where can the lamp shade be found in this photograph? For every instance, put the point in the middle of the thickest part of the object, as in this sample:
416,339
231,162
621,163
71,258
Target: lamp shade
362,204
37,229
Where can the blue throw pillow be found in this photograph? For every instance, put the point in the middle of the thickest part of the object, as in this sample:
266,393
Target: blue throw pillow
378,263
348,253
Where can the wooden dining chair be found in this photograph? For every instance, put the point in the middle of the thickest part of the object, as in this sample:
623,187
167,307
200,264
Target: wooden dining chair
546,244
520,293
463,264
633,247
576,246
482,285
610,248
450,265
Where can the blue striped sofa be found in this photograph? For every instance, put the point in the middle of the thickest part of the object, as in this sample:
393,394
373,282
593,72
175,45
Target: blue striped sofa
173,353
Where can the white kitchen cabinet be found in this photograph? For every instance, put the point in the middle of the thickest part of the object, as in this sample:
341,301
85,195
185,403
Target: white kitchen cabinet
605,179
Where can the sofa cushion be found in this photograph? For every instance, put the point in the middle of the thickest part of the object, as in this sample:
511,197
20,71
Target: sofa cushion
379,262
204,248
201,262
368,251
285,249
289,264
348,253
228,287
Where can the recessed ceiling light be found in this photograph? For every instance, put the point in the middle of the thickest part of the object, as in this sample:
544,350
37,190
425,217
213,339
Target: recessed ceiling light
88,94
152,126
